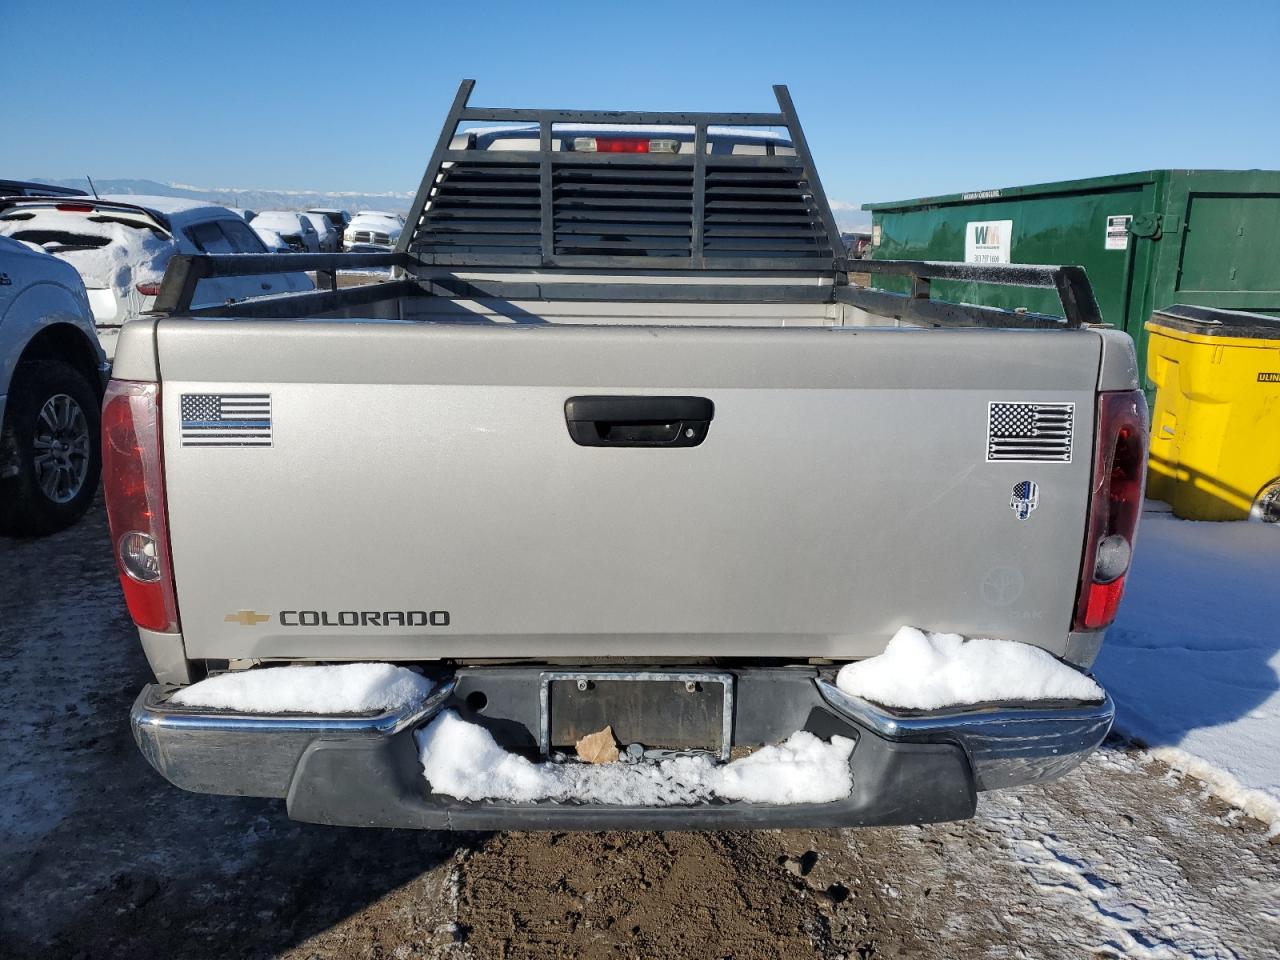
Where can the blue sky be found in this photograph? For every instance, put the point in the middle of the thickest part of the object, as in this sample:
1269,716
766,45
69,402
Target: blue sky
898,99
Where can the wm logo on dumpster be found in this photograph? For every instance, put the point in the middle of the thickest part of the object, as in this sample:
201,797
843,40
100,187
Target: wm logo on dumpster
987,234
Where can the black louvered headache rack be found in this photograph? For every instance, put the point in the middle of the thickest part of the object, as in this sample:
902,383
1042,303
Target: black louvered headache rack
627,226
549,207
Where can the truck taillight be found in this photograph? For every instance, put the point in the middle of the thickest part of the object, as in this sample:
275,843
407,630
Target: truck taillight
1119,476
148,288
133,482
625,145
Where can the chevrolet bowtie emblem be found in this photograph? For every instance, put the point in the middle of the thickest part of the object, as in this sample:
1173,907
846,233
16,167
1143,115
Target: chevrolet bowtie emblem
247,618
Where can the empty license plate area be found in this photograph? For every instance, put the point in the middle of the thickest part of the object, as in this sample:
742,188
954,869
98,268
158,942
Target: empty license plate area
657,711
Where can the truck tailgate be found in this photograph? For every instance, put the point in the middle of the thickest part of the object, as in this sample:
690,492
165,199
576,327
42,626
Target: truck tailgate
419,494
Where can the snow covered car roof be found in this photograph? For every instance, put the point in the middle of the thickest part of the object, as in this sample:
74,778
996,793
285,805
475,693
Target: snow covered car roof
268,217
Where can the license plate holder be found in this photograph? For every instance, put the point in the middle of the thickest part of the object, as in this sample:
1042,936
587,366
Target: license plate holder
673,710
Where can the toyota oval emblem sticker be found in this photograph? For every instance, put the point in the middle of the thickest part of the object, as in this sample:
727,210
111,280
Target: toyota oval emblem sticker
1026,497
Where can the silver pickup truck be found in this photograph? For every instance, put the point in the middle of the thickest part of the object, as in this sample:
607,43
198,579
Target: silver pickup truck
617,441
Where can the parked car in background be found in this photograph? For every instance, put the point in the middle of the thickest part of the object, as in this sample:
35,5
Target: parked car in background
857,244
339,218
330,239
52,371
28,188
121,245
245,215
373,230
272,241
297,232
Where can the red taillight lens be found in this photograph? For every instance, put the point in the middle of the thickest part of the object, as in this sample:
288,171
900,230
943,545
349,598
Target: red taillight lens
621,145
148,289
133,481
1119,476
74,207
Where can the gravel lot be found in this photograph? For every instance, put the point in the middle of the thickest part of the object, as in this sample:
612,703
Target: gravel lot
101,858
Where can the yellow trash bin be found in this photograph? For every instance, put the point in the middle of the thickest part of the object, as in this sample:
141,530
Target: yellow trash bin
1215,429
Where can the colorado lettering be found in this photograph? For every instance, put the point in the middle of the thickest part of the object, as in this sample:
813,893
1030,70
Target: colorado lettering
364,618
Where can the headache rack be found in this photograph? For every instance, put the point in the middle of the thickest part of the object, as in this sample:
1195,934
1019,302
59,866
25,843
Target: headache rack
697,209
544,220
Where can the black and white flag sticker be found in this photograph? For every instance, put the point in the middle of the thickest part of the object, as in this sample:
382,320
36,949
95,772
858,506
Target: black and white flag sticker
226,419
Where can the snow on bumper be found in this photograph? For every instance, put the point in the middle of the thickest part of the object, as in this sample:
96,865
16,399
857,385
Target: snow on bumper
368,770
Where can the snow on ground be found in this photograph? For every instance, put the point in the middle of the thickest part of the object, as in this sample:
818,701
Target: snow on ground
100,857
924,671
1122,882
463,760
1193,661
344,688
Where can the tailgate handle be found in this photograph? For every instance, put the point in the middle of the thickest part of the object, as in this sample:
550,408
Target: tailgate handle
638,421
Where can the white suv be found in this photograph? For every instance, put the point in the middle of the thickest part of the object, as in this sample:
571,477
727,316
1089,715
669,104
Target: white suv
52,371
122,244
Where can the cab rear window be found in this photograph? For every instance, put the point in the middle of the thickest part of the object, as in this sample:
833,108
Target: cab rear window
209,238
224,236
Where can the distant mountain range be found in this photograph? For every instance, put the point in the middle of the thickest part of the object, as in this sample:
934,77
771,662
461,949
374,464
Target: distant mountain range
250,198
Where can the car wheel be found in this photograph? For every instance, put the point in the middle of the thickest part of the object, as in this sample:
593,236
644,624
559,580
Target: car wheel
50,449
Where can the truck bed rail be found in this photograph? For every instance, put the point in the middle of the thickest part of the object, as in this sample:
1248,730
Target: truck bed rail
184,272
1072,285
1079,308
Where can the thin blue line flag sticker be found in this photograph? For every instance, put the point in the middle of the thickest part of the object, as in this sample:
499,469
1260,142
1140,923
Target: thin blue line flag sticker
226,419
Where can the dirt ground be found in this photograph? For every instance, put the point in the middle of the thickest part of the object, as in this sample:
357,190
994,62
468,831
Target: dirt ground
100,858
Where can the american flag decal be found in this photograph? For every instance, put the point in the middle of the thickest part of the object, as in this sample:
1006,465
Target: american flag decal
1030,432
226,419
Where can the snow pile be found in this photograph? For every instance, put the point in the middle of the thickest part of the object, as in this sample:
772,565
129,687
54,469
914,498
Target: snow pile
347,688
130,254
1193,660
463,760
803,769
925,671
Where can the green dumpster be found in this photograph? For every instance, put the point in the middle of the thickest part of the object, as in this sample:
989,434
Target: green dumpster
1147,240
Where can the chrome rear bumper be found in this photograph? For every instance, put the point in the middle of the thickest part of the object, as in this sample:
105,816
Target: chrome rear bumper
1007,746
365,770
251,755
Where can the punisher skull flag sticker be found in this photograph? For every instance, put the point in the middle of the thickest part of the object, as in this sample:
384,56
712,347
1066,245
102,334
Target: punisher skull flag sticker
1026,497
